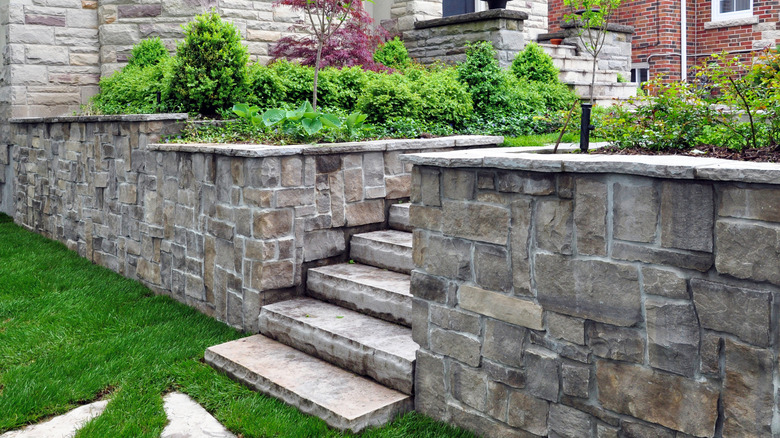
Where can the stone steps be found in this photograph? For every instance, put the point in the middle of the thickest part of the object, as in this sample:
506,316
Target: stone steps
559,51
366,289
344,400
359,343
615,90
578,76
388,249
399,217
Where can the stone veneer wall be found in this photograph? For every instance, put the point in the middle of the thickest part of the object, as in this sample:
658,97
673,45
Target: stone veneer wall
592,296
616,51
223,228
445,39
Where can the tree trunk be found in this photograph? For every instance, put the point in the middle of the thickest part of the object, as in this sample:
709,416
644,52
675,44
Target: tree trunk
316,74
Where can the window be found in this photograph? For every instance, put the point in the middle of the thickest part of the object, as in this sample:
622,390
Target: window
730,9
640,75
456,7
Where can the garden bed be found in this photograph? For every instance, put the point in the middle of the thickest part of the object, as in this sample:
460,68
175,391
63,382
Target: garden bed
765,155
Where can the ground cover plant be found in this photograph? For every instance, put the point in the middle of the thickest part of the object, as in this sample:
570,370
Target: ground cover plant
72,332
398,97
729,109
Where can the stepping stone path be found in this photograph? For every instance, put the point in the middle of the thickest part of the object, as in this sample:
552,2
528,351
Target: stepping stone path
186,419
344,352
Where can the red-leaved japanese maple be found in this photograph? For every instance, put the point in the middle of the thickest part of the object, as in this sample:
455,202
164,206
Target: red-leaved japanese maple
334,33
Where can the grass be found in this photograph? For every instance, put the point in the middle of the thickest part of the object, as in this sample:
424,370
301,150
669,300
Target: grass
72,332
540,139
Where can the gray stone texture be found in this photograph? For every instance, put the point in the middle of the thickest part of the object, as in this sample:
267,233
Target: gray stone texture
616,343
756,204
553,221
590,217
743,312
664,283
567,422
635,212
748,399
687,216
672,336
748,250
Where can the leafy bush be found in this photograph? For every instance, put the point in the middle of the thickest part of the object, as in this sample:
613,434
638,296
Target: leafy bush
297,80
341,88
387,96
135,90
265,86
210,68
148,52
393,54
533,64
483,78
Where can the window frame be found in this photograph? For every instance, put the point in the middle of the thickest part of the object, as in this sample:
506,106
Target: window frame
717,15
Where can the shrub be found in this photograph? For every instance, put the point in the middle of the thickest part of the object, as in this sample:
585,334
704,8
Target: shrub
443,99
393,54
297,80
135,90
483,77
533,64
265,87
389,95
210,68
148,52
341,88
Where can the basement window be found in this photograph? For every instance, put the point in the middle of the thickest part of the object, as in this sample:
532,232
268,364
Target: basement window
731,9
640,75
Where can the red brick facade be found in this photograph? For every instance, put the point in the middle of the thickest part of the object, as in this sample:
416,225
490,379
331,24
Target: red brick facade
656,42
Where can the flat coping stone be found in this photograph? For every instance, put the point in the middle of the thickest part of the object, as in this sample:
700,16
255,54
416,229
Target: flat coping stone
112,118
64,426
343,399
471,17
659,166
186,418
263,150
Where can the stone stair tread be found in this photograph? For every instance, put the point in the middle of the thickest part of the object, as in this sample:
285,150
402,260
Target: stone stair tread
389,249
399,217
363,329
344,400
374,291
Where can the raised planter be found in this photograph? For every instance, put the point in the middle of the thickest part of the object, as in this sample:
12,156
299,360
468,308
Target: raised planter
223,228
592,295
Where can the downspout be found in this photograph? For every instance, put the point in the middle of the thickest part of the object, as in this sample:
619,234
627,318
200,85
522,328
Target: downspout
683,40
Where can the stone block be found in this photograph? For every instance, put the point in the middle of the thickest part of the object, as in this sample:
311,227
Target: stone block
353,185
475,221
365,212
458,184
263,172
336,184
458,346
46,55
139,11
710,352
635,212
442,256
427,218
148,271
748,391
322,244
429,388
431,288
542,378
519,241
590,216
664,283
294,197
430,187
273,223
453,319
516,311
492,269
273,275
504,343
566,328
420,318
575,379
590,289
528,413
553,220
699,261
635,429
672,336
128,193
757,204
748,250
567,422
740,311
497,401
617,343
57,20
374,169
398,186
468,385
221,229
686,216
527,183
686,405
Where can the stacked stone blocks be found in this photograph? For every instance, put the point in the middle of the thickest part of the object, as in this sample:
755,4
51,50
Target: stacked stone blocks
603,304
225,229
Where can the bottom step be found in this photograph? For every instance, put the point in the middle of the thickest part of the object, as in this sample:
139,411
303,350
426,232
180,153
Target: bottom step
344,400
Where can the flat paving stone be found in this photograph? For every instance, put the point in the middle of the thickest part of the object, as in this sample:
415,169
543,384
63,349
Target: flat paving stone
359,343
374,291
388,249
188,419
63,426
342,399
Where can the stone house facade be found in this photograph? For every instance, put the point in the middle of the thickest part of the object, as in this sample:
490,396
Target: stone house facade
672,36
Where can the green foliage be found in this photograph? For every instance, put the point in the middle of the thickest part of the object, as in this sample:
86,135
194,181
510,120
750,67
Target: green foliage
134,90
265,86
533,64
621,79
210,68
387,96
393,54
297,80
148,52
483,77
341,88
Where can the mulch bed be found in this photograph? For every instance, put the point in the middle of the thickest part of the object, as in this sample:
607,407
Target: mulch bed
766,155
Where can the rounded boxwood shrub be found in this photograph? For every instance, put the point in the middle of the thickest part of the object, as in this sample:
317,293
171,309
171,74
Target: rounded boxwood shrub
135,90
533,64
443,99
341,88
389,95
297,80
148,52
210,66
265,87
393,54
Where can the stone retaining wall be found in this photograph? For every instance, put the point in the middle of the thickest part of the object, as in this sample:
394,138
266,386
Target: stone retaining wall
593,296
223,228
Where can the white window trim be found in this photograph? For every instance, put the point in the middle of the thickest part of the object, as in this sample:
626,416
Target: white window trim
718,16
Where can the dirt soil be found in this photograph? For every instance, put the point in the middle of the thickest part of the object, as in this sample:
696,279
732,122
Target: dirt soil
766,155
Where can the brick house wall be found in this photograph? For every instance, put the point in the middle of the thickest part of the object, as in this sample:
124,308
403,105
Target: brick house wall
657,39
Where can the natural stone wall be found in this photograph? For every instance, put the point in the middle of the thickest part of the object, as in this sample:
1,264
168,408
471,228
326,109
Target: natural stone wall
223,228
616,51
445,39
588,296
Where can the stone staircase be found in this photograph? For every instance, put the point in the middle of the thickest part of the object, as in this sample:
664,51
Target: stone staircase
575,71
344,352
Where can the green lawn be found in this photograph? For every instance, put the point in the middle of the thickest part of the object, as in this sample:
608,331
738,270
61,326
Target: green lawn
541,139
72,332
